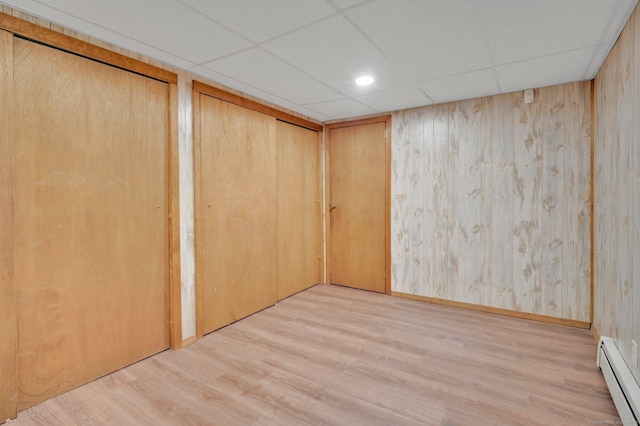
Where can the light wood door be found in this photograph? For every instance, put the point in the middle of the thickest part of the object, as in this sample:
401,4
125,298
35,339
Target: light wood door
91,221
236,150
299,208
8,394
357,205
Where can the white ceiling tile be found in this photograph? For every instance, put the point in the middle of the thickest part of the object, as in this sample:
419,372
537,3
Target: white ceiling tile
309,113
98,32
264,19
447,46
240,86
394,99
273,76
426,39
169,25
343,4
335,53
520,29
463,86
545,71
340,109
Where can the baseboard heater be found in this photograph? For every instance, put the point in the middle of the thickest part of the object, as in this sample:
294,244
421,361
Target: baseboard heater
622,385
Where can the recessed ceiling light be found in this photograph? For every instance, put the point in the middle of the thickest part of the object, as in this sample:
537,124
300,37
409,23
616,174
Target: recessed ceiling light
364,80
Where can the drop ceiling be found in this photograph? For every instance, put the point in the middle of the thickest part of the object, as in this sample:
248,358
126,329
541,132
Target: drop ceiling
304,55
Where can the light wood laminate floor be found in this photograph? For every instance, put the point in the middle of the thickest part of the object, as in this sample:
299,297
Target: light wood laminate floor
333,355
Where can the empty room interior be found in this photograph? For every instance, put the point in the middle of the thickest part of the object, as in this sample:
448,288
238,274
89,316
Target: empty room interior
341,212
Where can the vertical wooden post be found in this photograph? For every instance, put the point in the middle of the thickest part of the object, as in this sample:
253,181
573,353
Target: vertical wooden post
8,336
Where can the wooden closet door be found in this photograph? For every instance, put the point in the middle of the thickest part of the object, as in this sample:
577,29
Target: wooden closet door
358,207
91,219
237,209
8,393
299,231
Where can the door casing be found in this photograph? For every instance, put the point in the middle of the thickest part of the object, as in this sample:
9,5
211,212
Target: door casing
387,196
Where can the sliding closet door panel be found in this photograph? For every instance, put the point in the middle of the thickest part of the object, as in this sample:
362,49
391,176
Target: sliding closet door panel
299,231
238,212
8,394
91,221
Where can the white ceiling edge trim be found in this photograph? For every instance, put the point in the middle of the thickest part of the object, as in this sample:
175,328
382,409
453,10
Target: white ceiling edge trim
607,46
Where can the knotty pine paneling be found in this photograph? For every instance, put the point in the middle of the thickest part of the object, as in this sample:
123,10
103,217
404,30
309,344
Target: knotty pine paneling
500,122
526,225
617,193
187,225
490,202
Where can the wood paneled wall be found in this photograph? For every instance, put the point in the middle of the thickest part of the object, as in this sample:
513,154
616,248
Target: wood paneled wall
187,225
491,205
617,193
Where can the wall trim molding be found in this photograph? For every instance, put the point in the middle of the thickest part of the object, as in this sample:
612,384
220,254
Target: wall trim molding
327,181
594,333
70,44
498,311
223,95
190,340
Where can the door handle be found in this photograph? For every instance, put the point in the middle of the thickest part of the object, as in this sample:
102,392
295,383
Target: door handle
332,207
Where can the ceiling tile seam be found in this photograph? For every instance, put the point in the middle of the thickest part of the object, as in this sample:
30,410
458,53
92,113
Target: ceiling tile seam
344,95
254,43
296,29
261,45
103,28
453,75
325,118
310,24
248,85
225,56
365,105
487,43
223,25
310,105
215,21
593,66
388,89
195,65
353,6
535,58
376,47
294,104
425,93
380,92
